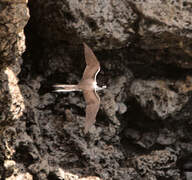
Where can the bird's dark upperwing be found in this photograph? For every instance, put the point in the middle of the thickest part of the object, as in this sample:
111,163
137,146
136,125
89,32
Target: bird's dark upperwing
92,63
92,107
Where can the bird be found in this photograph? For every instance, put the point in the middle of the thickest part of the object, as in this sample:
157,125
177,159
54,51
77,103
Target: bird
88,85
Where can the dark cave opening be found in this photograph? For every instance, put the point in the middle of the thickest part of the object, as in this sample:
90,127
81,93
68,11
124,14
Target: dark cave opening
33,53
136,119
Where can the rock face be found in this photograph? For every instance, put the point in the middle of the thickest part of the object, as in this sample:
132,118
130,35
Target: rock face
143,128
13,17
166,27
103,23
157,99
162,28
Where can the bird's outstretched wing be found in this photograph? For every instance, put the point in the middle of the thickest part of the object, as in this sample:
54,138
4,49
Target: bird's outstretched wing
93,102
93,66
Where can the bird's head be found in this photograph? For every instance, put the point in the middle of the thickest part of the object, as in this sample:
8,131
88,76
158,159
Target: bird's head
103,87
100,88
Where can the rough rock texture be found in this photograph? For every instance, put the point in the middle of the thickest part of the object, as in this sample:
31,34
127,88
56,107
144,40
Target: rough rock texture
161,28
158,98
158,164
103,23
143,127
13,17
165,28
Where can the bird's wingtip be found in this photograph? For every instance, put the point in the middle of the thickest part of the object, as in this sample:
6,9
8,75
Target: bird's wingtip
85,131
86,127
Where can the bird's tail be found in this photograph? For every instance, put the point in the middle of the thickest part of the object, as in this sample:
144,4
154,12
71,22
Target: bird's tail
65,88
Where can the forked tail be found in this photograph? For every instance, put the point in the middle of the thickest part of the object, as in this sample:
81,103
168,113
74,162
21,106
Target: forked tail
65,88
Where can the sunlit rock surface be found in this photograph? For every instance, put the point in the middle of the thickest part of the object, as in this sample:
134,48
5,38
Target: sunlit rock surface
13,17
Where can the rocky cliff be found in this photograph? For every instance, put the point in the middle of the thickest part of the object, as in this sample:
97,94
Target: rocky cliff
143,128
